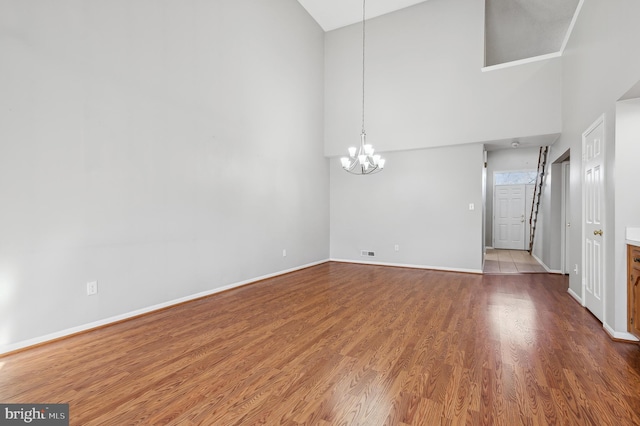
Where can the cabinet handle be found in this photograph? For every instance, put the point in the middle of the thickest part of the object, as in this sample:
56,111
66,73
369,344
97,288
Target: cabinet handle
636,259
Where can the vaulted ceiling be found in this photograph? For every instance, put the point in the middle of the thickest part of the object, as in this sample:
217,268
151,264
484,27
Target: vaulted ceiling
332,14
520,29
514,29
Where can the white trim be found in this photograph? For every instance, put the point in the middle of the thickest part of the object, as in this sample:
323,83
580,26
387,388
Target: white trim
600,120
406,265
571,25
484,49
575,296
538,58
620,335
549,270
564,215
521,62
95,324
527,211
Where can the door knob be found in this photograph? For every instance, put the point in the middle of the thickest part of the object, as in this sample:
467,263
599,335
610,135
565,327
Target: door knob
598,232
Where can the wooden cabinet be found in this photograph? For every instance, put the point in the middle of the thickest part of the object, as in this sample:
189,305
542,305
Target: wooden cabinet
633,290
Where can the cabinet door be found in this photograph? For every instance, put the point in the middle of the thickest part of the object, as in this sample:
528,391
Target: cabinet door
633,295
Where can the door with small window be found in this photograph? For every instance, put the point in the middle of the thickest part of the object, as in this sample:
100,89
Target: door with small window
512,209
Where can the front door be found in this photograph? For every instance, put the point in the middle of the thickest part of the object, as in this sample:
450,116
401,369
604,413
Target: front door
509,217
593,214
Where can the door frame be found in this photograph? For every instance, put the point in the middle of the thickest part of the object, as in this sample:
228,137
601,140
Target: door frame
565,215
599,121
527,208
494,228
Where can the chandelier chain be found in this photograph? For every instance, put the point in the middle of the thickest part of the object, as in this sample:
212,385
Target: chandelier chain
362,160
363,36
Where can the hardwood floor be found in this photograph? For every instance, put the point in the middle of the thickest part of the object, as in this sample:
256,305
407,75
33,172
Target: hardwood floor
511,262
343,344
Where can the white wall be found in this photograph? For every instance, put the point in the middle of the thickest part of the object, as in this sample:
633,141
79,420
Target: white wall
419,202
161,148
505,160
627,200
424,84
547,241
600,64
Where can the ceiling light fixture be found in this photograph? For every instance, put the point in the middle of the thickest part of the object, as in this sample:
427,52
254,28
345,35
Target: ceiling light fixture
363,161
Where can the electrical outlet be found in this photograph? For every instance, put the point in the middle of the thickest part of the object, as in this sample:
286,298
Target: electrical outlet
576,269
397,247
92,288
472,206
284,252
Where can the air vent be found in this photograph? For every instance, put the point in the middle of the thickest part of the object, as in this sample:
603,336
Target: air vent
367,253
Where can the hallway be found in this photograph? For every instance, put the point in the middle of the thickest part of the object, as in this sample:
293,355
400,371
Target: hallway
511,262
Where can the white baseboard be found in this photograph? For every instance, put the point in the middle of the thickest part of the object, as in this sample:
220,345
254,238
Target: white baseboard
100,323
575,296
484,256
405,265
549,270
619,335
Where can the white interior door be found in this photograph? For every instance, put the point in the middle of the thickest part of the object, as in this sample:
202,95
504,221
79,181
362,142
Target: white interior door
509,217
593,217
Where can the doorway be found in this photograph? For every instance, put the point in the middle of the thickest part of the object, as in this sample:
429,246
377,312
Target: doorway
593,232
512,199
509,217
511,262
565,215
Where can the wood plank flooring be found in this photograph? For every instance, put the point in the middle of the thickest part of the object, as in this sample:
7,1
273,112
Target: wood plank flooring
343,344
511,262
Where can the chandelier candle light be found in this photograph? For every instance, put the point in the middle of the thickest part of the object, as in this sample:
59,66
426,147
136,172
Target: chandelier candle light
362,161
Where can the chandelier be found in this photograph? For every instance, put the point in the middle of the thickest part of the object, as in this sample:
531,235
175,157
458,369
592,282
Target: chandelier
362,160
